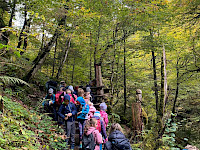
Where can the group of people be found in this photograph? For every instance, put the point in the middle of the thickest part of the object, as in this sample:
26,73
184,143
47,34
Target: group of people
72,105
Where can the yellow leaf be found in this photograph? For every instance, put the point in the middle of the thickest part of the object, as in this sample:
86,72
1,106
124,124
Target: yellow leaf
55,140
36,15
43,18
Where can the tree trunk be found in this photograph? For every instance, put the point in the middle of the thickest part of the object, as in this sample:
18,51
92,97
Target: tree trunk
125,98
137,116
96,44
54,57
41,48
177,86
112,72
155,79
26,36
66,53
162,95
165,78
73,68
12,13
3,35
41,58
90,56
23,28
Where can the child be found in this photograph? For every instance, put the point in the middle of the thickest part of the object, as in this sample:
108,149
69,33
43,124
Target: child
59,99
62,84
68,111
87,96
92,110
91,128
82,114
117,139
100,126
103,113
52,105
73,97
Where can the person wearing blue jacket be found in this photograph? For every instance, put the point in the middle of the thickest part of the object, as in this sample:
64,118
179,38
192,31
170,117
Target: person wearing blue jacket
67,111
82,115
51,105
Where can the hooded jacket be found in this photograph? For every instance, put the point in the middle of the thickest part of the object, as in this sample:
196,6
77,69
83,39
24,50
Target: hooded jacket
92,110
117,141
85,108
97,137
65,109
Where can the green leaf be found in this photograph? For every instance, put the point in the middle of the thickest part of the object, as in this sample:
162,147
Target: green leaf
173,135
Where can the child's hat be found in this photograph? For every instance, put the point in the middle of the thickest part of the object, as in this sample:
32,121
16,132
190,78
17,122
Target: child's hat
103,106
81,101
50,91
97,115
88,89
71,88
67,97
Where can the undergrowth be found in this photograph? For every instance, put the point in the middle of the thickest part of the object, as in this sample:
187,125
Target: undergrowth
21,128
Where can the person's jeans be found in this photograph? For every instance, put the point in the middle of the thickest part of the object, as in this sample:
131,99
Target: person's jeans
70,131
81,124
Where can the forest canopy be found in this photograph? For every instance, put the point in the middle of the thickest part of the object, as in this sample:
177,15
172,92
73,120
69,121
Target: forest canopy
148,45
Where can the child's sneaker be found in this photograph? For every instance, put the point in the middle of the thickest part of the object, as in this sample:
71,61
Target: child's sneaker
80,146
72,147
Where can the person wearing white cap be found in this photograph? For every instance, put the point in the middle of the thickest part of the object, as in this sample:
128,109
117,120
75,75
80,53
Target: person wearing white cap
52,106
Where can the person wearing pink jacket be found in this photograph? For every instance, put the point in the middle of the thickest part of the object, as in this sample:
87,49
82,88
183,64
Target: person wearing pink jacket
92,110
103,113
97,136
73,97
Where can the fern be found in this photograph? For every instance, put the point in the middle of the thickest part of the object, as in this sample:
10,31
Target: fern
12,80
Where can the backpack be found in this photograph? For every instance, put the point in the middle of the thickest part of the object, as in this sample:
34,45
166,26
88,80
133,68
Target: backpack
99,125
120,144
88,142
51,84
58,99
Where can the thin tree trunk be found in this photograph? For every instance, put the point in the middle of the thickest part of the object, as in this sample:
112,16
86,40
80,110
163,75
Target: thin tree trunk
155,79
43,36
26,36
125,98
41,58
54,57
66,53
41,47
159,125
21,33
96,44
165,78
90,56
3,35
177,86
162,95
111,44
12,13
112,71
73,69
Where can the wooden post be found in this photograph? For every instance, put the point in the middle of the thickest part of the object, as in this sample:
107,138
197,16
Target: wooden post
137,115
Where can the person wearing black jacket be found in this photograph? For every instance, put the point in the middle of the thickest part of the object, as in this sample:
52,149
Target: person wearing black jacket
116,139
67,111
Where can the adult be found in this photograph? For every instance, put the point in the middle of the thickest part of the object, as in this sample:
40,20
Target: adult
116,139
